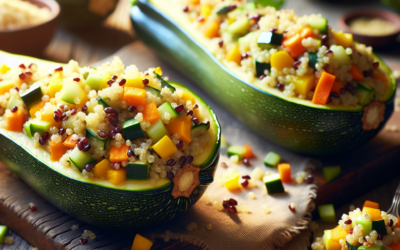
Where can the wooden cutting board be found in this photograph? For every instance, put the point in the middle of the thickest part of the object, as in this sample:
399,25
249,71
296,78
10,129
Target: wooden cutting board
49,228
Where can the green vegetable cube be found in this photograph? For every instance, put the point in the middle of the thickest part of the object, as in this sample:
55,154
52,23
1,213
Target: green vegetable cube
365,223
379,226
331,173
3,233
350,246
137,171
273,184
370,248
132,129
157,131
236,150
272,159
327,213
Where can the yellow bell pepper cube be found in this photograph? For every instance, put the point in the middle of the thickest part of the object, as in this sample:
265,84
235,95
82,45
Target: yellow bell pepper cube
211,29
5,86
158,71
135,82
194,1
36,107
182,127
141,243
205,10
49,117
234,55
329,243
343,39
303,84
55,86
281,60
101,169
232,182
116,177
4,69
188,97
165,147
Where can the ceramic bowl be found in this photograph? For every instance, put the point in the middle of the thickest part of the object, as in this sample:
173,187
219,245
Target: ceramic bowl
31,40
386,15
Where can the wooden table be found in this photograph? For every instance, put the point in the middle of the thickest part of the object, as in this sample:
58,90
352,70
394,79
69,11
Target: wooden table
86,47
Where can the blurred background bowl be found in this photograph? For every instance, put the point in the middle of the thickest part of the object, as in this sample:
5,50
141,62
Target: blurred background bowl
32,40
371,40
84,13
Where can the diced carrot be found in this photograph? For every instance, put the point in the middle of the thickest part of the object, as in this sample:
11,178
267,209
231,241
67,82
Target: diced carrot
337,85
35,108
116,177
70,143
338,233
285,172
211,29
249,152
371,204
234,55
101,169
324,88
281,60
375,213
134,96
307,32
150,112
119,154
381,76
57,150
395,246
5,86
356,73
294,45
195,1
15,121
181,126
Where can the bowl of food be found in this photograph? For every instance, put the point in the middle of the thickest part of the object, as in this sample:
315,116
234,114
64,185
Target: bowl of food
111,146
84,13
373,27
293,80
26,27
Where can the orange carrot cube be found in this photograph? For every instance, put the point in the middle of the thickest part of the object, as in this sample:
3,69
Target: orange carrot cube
371,204
15,121
248,152
285,172
134,96
57,150
119,154
150,112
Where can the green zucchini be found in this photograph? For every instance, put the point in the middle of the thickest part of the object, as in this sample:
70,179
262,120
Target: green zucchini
3,233
32,96
293,123
132,204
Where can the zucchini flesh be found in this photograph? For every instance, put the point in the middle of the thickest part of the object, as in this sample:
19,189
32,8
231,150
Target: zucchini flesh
157,131
366,224
269,40
15,100
320,24
327,213
273,184
137,171
80,158
379,226
132,129
166,107
102,102
272,159
165,83
239,27
198,130
3,233
32,95
94,80
364,94
261,67
38,126
331,173
95,139
236,150
72,91
312,60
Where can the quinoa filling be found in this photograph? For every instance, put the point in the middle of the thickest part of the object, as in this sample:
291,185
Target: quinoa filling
111,123
300,57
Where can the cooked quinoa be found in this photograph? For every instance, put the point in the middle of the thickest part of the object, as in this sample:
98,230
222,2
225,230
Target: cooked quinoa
18,14
101,114
383,233
248,38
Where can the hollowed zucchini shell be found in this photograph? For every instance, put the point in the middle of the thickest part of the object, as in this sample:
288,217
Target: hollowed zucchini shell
105,206
293,123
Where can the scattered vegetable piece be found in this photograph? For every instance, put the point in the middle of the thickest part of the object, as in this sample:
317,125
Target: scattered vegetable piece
273,184
285,172
371,204
141,243
327,213
3,233
272,159
331,173
232,182
236,150
248,152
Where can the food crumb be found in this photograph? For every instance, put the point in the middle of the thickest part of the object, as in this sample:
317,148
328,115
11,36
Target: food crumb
252,195
300,176
234,159
74,227
8,240
209,227
266,209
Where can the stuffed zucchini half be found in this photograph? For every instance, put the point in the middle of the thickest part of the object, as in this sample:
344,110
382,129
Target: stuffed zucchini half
111,146
292,79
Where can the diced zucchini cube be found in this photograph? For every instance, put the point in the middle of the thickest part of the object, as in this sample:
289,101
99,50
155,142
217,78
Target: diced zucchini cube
327,213
102,102
273,184
137,171
3,233
239,27
320,24
379,226
370,248
94,80
167,108
366,224
80,158
38,126
331,173
272,159
236,150
132,129
350,246
269,40
32,95
157,131
261,67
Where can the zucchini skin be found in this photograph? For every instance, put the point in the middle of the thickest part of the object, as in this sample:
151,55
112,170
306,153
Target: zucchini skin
306,130
98,205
